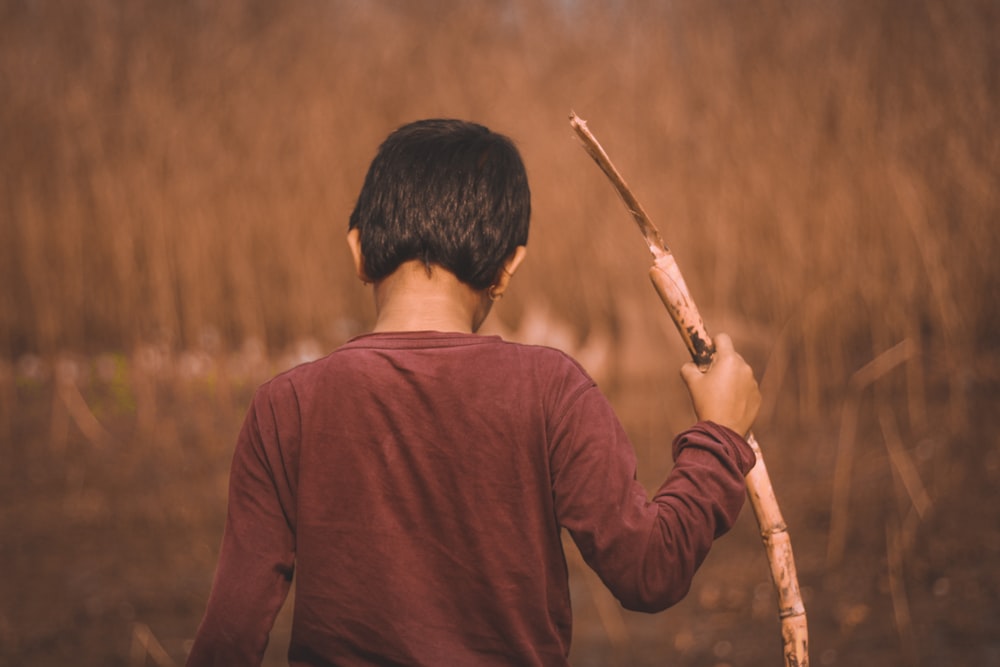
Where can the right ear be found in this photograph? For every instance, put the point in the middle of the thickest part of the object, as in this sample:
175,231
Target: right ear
354,242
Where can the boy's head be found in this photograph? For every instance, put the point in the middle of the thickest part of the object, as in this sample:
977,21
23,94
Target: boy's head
445,192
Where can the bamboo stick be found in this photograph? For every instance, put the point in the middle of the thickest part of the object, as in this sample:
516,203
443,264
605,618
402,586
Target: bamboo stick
669,283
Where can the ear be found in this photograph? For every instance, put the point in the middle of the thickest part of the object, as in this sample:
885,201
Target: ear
354,242
507,271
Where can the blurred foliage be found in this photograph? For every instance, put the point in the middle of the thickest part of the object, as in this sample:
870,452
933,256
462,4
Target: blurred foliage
177,170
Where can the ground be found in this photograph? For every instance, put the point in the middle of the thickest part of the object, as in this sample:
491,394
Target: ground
111,534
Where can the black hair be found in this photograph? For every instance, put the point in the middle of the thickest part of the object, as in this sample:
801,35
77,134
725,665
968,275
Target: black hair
448,193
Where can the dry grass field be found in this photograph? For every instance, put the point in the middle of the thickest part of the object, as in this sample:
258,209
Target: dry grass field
175,182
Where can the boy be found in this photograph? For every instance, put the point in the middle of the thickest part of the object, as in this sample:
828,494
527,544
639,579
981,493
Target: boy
416,480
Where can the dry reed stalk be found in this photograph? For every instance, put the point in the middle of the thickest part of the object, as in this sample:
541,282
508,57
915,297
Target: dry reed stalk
607,610
842,478
146,365
669,283
7,396
145,644
239,258
109,193
58,424
773,376
897,591
913,207
818,364
39,285
862,378
916,384
68,393
810,374
902,463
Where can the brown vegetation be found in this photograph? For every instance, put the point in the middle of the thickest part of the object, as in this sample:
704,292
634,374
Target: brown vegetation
175,181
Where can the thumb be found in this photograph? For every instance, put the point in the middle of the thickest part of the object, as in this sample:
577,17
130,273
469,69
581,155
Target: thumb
690,373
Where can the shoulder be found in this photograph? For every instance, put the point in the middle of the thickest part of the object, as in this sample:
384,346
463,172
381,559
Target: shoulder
547,357
284,388
555,375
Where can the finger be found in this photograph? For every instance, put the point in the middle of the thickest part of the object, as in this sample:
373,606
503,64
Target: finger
723,343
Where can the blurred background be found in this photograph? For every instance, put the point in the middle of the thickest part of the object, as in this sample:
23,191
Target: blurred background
175,184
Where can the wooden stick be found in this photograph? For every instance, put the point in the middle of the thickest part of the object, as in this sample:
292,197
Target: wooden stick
669,283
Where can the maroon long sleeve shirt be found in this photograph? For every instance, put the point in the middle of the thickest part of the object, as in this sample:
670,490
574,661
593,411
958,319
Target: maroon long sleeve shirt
416,485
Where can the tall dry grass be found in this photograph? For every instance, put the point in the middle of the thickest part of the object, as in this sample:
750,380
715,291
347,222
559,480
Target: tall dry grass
823,169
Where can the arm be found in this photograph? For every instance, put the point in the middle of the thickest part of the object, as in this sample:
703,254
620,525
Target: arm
256,561
645,551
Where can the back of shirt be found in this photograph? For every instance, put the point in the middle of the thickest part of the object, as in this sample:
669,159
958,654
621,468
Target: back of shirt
416,485
426,528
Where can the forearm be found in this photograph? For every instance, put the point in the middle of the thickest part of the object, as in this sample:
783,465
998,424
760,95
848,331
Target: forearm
647,551
698,502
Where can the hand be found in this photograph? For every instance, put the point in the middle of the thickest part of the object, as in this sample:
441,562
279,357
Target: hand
727,392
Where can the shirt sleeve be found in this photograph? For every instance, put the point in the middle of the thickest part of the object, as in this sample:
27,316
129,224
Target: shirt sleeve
256,561
646,551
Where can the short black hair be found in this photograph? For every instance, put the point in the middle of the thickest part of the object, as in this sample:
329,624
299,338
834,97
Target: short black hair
446,192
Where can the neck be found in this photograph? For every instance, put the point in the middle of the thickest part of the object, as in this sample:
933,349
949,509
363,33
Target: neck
415,299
